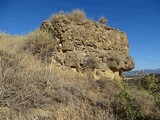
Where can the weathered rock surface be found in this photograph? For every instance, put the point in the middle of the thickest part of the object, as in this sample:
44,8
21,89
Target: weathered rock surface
85,45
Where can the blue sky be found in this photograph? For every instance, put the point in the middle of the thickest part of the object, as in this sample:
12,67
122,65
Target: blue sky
140,19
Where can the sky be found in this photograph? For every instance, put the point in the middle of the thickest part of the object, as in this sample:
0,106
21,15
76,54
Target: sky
140,19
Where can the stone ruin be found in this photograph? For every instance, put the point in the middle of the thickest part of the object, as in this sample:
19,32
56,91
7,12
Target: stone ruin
86,45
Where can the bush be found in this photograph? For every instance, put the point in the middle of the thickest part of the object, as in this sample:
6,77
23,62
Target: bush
41,43
77,16
103,20
146,91
126,107
91,63
150,83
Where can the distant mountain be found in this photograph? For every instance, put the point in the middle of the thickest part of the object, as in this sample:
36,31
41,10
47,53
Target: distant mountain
138,72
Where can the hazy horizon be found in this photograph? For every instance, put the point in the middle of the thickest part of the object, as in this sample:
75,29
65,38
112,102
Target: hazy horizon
139,19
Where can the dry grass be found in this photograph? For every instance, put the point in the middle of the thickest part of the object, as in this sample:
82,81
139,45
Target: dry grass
77,16
34,89
31,89
41,44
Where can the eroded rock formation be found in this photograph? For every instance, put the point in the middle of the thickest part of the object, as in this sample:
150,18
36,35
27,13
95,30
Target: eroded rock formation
84,45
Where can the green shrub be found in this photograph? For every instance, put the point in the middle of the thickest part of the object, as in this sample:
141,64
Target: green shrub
126,107
150,83
146,90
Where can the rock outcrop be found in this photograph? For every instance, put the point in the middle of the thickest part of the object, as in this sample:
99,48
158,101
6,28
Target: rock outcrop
86,45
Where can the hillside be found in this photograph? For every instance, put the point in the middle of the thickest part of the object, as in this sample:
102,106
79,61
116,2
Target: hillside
70,69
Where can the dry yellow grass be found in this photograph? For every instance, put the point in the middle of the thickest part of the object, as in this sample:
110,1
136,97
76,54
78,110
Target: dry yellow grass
32,89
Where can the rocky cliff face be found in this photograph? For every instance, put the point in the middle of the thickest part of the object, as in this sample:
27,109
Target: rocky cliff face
86,45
